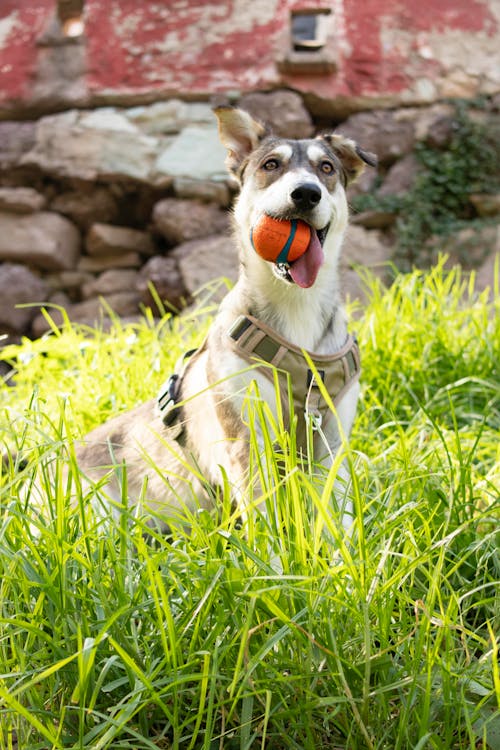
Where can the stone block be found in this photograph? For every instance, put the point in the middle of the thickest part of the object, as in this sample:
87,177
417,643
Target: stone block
170,117
92,312
101,144
195,153
400,177
182,220
208,191
366,247
162,272
203,260
19,286
43,239
375,219
283,111
121,303
109,282
488,274
21,200
381,132
69,281
85,207
106,239
16,139
105,262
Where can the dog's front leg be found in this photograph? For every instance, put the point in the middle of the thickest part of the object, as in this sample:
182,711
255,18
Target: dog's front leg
328,442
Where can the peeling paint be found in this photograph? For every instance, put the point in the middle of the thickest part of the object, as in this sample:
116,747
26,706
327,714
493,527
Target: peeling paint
387,50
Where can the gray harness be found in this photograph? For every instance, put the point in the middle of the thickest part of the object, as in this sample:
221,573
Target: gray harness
262,347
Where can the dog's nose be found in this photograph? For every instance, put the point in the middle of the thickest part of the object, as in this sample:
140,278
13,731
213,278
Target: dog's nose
306,196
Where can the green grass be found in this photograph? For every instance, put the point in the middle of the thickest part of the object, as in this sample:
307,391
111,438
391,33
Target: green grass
111,639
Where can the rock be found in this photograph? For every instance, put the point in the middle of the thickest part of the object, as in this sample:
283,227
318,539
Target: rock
85,207
204,190
375,219
162,272
440,132
101,144
69,281
197,150
19,286
202,261
40,324
148,145
381,132
469,247
45,240
21,200
16,138
121,303
92,312
400,177
109,282
425,119
105,239
488,275
485,204
364,184
353,288
181,220
283,111
59,299
105,262
170,117
366,248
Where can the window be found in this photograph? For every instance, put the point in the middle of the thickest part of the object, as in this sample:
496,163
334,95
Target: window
70,15
309,30
310,43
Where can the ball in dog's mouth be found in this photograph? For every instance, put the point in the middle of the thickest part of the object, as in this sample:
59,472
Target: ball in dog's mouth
304,270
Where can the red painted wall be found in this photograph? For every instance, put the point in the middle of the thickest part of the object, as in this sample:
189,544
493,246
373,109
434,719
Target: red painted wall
21,23
197,48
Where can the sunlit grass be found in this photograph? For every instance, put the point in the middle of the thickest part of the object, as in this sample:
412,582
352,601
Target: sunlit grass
110,638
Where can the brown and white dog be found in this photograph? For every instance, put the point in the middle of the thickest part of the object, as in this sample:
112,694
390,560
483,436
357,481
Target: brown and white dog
288,307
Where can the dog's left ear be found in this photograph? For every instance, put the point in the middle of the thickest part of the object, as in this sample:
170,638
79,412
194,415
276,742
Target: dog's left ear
239,133
352,157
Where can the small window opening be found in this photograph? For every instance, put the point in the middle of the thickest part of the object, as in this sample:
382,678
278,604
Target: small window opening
309,30
311,47
70,15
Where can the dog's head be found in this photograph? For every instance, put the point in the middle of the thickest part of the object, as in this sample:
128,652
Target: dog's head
291,179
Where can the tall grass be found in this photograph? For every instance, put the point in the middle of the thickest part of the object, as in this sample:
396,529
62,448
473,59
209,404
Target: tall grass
110,638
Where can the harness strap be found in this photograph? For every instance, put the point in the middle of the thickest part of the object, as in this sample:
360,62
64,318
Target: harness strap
256,341
170,395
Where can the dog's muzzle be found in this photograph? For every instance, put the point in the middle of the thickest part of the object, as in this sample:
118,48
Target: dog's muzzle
282,270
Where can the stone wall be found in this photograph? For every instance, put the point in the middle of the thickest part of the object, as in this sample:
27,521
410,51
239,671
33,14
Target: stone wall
99,206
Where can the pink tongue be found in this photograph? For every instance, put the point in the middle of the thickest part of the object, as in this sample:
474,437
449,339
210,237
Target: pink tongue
305,269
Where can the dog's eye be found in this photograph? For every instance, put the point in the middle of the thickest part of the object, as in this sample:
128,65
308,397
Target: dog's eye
270,164
326,167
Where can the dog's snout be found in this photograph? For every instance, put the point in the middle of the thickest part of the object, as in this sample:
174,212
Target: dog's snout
306,196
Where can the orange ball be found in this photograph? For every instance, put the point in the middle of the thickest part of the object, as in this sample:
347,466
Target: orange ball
280,240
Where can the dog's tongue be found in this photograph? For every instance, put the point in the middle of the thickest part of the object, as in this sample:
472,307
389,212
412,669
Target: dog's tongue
305,269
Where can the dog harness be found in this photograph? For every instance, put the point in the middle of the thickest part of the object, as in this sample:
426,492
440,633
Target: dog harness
255,341
261,346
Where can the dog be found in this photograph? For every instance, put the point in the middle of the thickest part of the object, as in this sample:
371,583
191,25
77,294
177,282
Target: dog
194,434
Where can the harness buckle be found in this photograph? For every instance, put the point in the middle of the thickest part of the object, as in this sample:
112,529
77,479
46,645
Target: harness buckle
168,399
314,418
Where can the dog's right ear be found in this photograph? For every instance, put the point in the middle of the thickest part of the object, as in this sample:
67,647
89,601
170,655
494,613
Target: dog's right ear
239,133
